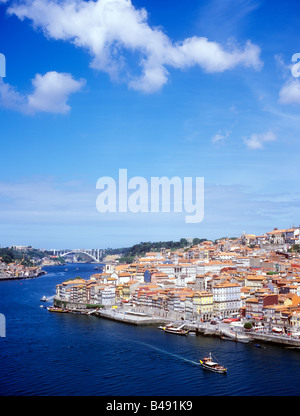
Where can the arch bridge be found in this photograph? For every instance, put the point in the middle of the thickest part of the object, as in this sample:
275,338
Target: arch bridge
94,254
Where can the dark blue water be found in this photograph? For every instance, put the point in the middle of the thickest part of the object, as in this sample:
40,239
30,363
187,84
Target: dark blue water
53,354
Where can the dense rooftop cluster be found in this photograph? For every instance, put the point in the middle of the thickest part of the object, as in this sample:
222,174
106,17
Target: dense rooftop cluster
254,276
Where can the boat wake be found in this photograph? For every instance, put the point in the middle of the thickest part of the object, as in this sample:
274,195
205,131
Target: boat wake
166,352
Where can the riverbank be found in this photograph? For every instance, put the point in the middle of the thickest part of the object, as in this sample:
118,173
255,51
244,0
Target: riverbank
5,277
221,330
53,354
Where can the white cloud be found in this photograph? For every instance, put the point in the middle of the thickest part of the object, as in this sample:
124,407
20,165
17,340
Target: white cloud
108,28
290,92
219,137
10,98
52,91
256,141
50,94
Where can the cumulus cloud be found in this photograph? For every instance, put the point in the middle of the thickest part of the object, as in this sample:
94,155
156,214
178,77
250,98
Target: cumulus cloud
220,137
256,141
10,98
290,92
50,94
108,29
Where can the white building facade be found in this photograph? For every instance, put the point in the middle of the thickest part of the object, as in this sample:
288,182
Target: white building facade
227,298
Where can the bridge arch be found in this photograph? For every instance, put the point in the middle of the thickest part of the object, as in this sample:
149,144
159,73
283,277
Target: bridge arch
78,252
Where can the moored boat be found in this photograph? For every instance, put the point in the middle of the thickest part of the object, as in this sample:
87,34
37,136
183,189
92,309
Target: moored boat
165,326
177,331
55,309
209,364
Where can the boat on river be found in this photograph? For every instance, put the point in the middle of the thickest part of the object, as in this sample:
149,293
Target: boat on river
209,364
173,330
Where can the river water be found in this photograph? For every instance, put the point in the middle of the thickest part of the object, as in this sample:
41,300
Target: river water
50,354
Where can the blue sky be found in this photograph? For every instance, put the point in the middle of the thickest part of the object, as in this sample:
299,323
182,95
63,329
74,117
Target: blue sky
190,89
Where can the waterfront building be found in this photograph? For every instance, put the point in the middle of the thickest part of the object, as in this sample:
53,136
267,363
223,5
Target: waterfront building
129,288
106,295
78,293
227,298
160,304
188,306
252,309
141,296
180,301
203,306
277,314
255,305
295,319
64,290
269,313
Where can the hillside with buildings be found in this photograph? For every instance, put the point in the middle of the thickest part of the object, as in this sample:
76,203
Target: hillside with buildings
251,276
